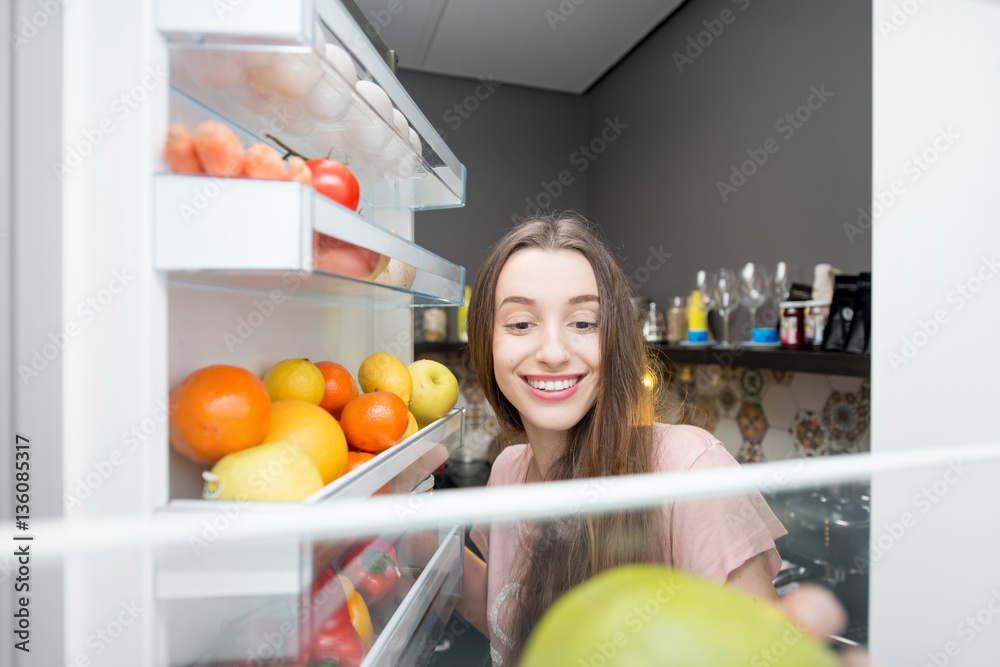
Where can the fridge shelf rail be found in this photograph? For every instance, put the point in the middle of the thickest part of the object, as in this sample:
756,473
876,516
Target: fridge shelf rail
404,467
281,237
263,67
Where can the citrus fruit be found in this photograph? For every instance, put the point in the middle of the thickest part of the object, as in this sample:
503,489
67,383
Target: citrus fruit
356,459
654,615
340,387
295,379
374,422
312,429
276,471
218,410
384,372
411,427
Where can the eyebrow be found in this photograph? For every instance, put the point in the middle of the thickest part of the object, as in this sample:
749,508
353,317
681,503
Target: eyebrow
583,298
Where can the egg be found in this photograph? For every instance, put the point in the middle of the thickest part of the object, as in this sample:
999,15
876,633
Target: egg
254,96
376,97
326,102
292,74
342,63
332,142
415,142
212,68
291,119
371,137
367,174
400,121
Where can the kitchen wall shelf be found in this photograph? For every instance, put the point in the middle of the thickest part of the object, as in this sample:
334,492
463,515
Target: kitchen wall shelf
266,72
256,235
797,361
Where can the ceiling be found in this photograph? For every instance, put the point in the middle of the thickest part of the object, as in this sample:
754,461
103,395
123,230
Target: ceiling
561,45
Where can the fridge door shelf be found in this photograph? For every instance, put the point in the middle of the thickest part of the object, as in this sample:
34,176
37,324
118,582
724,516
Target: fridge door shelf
404,468
266,72
238,603
258,236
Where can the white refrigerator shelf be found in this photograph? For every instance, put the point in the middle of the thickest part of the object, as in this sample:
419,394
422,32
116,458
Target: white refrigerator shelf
258,236
263,68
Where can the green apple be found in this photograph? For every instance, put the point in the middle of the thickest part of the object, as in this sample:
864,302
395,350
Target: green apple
435,390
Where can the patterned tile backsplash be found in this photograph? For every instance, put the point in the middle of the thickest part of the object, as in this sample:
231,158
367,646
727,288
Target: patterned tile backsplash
759,415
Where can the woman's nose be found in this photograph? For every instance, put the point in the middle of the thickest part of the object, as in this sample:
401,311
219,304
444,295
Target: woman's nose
554,348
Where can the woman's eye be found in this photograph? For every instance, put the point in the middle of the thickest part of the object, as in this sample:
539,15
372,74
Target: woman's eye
518,326
583,326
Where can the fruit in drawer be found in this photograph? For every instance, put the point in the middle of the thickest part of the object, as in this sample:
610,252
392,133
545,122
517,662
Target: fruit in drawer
356,458
295,379
336,642
435,390
411,427
340,387
273,472
650,614
358,611
313,430
219,149
374,422
218,410
384,372
346,259
373,567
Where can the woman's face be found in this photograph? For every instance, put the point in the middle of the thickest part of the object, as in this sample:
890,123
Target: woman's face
546,345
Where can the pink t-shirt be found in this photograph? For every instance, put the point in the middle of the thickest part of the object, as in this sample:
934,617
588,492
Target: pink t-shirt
709,538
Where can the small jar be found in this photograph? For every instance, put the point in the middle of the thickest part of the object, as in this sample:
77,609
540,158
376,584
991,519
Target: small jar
435,325
793,327
677,321
817,314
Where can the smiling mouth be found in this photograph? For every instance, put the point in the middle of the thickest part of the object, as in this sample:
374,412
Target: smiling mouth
560,384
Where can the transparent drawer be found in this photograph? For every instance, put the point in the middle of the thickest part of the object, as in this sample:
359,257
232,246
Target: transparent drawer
262,236
275,602
265,68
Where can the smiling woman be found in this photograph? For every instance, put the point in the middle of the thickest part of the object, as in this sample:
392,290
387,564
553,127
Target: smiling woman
555,339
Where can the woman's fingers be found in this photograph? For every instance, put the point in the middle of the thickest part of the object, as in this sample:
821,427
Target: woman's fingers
816,610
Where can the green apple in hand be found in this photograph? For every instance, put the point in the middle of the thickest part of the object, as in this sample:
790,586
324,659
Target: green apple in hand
435,391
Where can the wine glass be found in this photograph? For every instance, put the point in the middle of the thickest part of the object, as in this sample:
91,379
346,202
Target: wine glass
726,297
782,281
755,289
704,282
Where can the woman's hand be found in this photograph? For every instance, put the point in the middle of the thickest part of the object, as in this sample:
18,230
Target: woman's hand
817,611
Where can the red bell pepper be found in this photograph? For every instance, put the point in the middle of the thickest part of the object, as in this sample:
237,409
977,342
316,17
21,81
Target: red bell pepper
373,568
336,640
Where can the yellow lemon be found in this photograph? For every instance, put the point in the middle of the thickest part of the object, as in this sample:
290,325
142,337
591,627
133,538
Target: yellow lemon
384,372
277,471
314,431
411,427
295,379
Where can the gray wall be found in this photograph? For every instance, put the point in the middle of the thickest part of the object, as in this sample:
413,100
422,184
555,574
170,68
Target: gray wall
514,140
687,128
656,184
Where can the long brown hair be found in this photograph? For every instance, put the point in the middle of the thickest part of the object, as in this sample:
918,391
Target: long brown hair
613,438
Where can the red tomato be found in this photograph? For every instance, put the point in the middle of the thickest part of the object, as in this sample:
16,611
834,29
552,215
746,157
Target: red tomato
334,180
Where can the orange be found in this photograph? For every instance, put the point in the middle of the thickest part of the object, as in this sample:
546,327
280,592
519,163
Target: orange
314,431
375,422
356,459
218,410
340,387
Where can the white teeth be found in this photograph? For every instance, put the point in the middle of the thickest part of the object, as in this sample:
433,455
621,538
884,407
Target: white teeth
553,385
